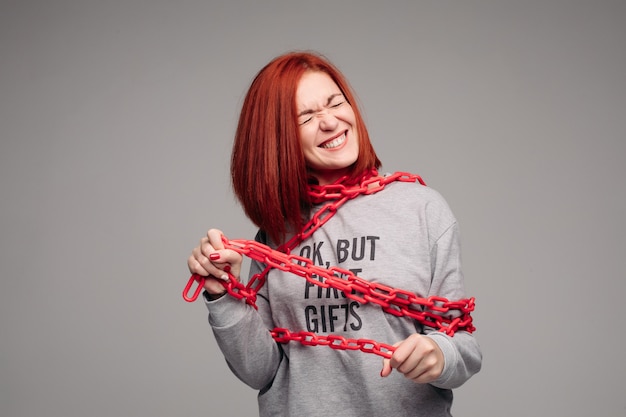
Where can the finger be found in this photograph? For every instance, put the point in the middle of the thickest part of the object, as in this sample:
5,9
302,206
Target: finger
205,247
386,371
210,259
205,258
215,238
214,286
195,267
425,363
415,368
403,352
424,372
387,364
226,256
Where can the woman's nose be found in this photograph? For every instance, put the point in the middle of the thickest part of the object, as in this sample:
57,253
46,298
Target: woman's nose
327,121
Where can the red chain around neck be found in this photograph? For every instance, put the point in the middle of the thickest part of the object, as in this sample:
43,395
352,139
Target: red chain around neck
437,312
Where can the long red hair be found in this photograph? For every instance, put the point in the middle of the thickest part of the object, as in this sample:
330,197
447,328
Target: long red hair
268,169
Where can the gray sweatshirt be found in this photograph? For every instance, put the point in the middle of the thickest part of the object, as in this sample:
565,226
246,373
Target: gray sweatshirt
404,236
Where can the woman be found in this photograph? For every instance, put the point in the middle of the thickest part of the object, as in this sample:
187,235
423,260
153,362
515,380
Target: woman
300,137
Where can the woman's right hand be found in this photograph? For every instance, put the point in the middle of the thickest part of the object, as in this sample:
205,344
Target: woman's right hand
211,260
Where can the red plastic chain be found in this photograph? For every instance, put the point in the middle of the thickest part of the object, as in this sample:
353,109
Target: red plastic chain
338,194
333,341
437,312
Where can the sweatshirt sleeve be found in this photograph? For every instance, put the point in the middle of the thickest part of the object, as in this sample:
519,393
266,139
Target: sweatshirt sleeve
242,333
463,357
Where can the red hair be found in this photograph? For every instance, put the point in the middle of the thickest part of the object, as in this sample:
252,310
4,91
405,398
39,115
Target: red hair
268,170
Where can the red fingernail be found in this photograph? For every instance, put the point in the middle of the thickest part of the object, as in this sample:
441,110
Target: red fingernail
226,268
214,256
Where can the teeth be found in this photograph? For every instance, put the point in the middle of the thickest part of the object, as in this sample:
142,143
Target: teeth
334,143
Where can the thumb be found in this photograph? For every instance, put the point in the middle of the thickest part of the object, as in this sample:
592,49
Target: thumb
386,368
387,364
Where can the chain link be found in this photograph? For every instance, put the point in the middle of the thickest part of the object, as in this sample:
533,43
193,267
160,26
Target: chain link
437,312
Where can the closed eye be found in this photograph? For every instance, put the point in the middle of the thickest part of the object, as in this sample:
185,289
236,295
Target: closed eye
302,120
335,101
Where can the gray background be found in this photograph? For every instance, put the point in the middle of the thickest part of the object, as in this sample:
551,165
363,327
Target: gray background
116,120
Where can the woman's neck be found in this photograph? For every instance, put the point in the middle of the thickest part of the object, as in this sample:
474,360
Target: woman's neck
330,176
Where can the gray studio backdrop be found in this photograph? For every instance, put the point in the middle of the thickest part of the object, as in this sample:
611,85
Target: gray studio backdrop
116,120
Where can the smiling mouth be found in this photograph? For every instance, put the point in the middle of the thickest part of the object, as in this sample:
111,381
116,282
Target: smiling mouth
331,144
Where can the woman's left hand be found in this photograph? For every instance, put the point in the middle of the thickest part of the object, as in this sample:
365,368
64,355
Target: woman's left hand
418,357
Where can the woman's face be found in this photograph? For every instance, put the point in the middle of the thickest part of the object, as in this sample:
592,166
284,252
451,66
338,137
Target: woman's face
327,127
